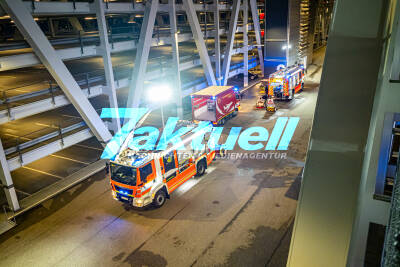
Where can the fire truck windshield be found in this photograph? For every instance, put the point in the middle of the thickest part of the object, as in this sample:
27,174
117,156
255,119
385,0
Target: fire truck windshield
123,174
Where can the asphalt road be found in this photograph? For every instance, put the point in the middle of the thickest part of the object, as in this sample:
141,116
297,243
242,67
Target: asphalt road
238,214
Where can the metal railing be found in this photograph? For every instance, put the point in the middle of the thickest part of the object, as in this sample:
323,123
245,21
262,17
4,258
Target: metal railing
52,132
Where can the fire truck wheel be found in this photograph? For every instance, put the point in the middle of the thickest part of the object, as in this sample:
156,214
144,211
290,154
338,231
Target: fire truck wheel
201,168
159,198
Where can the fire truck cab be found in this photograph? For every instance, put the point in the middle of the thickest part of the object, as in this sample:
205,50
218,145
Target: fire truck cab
284,83
140,178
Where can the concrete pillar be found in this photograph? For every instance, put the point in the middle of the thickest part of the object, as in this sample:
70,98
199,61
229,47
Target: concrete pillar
386,110
328,198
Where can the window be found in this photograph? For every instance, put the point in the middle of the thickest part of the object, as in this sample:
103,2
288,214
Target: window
210,105
388,155
184,160
123,174
169,161
145,171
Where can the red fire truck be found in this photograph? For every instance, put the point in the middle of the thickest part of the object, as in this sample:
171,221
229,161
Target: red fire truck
141,179
216,104
284,83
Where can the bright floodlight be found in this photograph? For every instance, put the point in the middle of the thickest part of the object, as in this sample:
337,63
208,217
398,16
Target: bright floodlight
159,93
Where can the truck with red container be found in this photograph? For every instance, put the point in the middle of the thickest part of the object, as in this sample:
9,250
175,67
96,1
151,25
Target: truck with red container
216,104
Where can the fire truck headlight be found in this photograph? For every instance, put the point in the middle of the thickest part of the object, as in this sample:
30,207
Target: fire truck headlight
139,201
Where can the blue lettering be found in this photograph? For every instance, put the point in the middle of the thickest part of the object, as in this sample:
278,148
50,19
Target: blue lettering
288,134
149,140
168,135
276,133
246,137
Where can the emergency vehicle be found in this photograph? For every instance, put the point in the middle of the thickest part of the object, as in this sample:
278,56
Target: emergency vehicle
140,179
216,104
284,83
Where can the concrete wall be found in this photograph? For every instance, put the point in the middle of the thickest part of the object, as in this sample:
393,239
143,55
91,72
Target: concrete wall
386,102
329,192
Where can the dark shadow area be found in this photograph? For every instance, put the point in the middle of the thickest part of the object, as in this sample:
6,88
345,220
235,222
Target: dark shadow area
39,213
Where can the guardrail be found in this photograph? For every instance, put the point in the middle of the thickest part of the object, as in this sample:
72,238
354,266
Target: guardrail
55,131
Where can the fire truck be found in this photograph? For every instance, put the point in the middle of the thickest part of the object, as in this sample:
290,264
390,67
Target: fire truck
284,83
144,178
216,104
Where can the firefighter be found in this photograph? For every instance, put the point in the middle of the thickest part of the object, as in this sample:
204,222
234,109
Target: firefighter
270,105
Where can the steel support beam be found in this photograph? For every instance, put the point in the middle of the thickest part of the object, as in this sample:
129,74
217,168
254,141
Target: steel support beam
47,104
46,53
217,43
142,54
175,58
76,24
29,59
105,51
198,37
51,27
256,25
231,38
43,8
245,43
7,182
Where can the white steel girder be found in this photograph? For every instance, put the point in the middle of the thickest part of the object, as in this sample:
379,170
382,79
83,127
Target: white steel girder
256,25
200,44
175,58
217,43
104,50
47,104
231,38
29,59
7,182
42,8
46,53
142,54
245,43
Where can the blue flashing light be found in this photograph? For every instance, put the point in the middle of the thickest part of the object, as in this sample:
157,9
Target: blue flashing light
235,88
213,97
